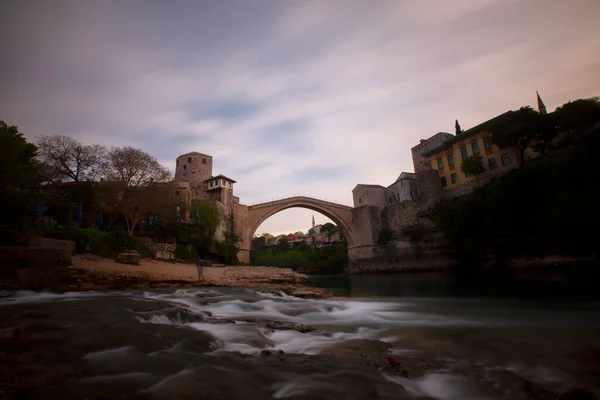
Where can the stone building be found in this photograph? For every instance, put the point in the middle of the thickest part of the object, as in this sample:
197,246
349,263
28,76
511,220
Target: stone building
369,195
403,204
420,162
447,156
405,188
195,170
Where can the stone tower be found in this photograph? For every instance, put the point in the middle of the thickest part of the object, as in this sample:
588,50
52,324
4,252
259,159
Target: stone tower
194,168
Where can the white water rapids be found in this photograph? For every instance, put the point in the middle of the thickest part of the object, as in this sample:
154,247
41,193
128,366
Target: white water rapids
478,349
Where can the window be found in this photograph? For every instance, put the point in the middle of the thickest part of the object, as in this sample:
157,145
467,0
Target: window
440,163
487,143
189,160
451,160
185,167
204,161
463,152
359,201
492,163
454,178
468,174
475,147
505,159
444,183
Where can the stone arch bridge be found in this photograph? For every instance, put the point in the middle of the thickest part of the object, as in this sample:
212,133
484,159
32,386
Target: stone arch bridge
340,214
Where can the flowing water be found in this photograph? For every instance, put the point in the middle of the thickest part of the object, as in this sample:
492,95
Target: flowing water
240,344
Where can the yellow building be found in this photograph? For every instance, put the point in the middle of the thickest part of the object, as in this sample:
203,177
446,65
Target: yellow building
447,158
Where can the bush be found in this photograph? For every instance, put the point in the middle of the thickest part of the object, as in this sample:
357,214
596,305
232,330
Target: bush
330,260
104,244
548,207
185,252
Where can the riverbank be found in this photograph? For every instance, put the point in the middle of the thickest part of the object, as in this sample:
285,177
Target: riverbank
100,274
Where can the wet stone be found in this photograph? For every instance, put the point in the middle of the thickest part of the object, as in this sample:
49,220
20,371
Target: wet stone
578,394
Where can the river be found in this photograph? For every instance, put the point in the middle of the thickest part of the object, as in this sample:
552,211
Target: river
225,343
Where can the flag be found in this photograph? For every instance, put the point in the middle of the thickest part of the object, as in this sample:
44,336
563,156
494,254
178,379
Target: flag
99,217
38,208
79,212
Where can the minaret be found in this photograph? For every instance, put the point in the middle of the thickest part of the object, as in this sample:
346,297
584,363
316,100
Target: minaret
541,105
313,221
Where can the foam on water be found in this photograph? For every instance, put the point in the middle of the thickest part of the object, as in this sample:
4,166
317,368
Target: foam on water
139,377
241,320
443,386
268,306
27,297
335,321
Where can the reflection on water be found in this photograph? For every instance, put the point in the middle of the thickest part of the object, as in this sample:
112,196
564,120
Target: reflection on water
522,284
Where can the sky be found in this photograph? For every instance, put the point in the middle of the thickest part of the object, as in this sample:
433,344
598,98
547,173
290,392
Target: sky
289,97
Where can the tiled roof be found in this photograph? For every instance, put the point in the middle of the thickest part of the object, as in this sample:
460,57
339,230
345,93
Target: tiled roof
220,177
369,186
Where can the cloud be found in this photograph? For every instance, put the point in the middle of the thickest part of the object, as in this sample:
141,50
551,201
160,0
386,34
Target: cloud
289,97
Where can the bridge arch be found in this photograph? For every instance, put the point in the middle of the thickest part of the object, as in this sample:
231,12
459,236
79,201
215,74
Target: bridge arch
340,214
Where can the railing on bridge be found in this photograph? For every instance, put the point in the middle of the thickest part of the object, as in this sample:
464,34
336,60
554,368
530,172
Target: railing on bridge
298,195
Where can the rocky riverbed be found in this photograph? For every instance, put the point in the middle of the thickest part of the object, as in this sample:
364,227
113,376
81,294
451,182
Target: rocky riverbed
232,343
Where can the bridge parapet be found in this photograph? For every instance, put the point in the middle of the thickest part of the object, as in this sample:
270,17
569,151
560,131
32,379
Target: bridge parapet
299,195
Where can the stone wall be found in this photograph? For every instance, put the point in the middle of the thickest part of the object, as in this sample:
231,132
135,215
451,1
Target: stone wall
240,227
367,223
430,188
163,251
253,274
402,215
35,267
369,195
402,190
401,259
45,243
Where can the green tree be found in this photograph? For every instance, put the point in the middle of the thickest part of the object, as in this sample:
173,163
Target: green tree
282,244
205,216
575,119
229,249
457,129
472,165
329,228
259,242
520,129
19,176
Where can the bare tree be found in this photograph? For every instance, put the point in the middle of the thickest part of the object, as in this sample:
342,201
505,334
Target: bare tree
65,158
134,184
